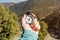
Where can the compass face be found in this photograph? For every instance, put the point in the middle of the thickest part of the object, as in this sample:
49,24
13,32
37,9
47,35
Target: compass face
29,19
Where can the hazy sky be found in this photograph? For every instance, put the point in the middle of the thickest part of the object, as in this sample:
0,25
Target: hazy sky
16,1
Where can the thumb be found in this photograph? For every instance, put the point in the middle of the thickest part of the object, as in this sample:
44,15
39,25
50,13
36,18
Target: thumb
36,23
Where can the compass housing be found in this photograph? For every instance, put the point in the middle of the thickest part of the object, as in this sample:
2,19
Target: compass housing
29,19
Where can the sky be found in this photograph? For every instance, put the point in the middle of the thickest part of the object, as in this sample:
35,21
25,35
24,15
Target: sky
15,1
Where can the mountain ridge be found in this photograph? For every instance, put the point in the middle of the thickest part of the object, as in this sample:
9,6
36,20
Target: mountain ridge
7,4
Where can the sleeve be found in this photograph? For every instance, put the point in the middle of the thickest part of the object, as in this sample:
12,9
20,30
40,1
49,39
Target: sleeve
29,35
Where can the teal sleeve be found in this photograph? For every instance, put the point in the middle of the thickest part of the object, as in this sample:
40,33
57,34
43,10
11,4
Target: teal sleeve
29,35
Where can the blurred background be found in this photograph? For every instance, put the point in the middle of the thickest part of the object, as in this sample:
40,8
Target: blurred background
47,11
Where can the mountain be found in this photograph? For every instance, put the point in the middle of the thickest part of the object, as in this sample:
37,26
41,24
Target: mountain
7,4
41,8
20,8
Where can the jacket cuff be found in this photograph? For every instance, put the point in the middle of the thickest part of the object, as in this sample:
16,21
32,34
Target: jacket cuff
30,34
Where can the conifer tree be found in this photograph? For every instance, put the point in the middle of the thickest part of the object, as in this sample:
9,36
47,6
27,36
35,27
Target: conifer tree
9,26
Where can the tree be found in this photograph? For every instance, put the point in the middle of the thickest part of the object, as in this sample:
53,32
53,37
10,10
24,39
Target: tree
9,26
43,31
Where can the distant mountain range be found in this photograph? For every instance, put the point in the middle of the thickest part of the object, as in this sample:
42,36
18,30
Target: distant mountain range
42,8
20,8
8,4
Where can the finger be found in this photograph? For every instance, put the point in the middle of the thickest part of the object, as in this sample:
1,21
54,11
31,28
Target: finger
36,23
33,14
23,19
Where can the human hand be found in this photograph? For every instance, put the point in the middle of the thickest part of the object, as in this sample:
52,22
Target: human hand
34,26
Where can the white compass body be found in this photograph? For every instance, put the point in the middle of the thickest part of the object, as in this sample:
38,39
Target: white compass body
29,19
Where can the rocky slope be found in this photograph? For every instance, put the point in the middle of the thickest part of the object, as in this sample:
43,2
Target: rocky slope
53,22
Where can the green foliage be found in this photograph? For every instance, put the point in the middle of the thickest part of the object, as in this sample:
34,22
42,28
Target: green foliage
43,31
9,26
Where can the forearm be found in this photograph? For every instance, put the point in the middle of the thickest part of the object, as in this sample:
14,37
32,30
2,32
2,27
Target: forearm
29,35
